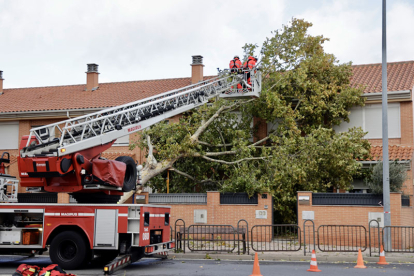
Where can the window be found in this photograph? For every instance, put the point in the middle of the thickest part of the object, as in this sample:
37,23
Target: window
122,142
9,135
146,219
369,118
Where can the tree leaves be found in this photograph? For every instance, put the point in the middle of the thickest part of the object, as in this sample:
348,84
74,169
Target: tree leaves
305,92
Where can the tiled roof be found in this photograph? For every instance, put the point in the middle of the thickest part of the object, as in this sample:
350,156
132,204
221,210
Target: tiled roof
72,97
75,96
395,152
400,76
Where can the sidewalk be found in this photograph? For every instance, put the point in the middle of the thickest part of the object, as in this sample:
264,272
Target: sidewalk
298,256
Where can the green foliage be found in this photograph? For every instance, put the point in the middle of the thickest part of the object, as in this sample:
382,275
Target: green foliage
398,175
305,92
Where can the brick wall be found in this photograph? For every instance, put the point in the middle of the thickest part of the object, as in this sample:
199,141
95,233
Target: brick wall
223,214
351,215
407,216
356,215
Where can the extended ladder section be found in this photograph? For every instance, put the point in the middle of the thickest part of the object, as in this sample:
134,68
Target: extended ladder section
102,127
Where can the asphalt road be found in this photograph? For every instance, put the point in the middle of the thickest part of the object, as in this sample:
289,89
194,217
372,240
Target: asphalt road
157,267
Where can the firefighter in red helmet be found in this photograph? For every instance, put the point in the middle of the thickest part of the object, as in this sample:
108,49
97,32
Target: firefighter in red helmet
249,65
235,64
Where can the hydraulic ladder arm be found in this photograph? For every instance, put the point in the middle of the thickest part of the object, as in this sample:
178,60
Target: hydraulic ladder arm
51,152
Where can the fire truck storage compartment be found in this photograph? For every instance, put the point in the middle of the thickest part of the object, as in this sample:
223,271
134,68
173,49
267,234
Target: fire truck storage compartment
106,229
134,215
21,227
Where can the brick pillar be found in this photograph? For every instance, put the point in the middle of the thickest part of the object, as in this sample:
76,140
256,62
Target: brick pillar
213,202
395,202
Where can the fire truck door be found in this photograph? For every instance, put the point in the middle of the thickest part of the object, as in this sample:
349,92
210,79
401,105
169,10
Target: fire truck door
106,225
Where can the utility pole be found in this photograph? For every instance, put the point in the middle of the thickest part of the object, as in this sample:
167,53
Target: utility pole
385,156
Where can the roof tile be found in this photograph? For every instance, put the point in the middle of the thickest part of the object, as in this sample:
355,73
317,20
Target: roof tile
400,76
395,152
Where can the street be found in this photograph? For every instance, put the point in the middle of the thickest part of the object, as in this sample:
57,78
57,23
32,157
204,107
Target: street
158,267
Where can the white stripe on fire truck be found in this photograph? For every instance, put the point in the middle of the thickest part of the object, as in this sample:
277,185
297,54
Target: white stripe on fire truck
78,215
122,215
156,215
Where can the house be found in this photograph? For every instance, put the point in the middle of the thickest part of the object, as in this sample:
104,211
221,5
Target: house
325,209
400,82
24,108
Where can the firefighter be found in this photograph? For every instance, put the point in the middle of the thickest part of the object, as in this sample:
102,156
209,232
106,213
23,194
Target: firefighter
235,64
249,65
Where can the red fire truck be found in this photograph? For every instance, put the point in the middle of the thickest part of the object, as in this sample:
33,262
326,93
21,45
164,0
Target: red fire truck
66,157
77,232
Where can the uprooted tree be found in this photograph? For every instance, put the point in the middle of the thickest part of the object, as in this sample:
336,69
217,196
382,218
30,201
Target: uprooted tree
218,146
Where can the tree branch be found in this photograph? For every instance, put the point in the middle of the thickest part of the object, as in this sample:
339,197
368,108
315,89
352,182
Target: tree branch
151,161
234,162
203,127
191,177
217,146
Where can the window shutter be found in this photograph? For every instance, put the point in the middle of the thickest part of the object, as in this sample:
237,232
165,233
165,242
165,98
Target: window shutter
9,135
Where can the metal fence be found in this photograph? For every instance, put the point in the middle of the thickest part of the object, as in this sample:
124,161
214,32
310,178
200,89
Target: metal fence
342,238
211,238
217,238
405,200
401,239
177,198
309,238
280,237
290,237
345,199
238,198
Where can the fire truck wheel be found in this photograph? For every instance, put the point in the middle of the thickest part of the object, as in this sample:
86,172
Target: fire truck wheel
69,250
130,180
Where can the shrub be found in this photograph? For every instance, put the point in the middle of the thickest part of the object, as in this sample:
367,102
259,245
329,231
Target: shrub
398,175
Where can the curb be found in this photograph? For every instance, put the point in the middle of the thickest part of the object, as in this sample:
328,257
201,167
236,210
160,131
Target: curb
286,258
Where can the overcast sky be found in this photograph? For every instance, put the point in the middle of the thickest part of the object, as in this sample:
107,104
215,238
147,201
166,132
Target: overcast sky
47,43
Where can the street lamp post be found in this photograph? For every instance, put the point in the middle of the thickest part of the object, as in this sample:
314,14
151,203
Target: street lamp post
385,156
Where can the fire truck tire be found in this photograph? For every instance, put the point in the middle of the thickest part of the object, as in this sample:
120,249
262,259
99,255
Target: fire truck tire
130,180
69,250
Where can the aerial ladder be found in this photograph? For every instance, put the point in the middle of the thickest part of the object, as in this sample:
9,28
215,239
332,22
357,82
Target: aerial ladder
66,156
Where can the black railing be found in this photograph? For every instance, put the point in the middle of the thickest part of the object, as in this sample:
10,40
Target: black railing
238,198
212,238
277,237
405,201
401,239
342,238
346,199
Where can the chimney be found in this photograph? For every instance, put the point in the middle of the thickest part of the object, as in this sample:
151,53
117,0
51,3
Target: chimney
1,82
197,69
92,77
